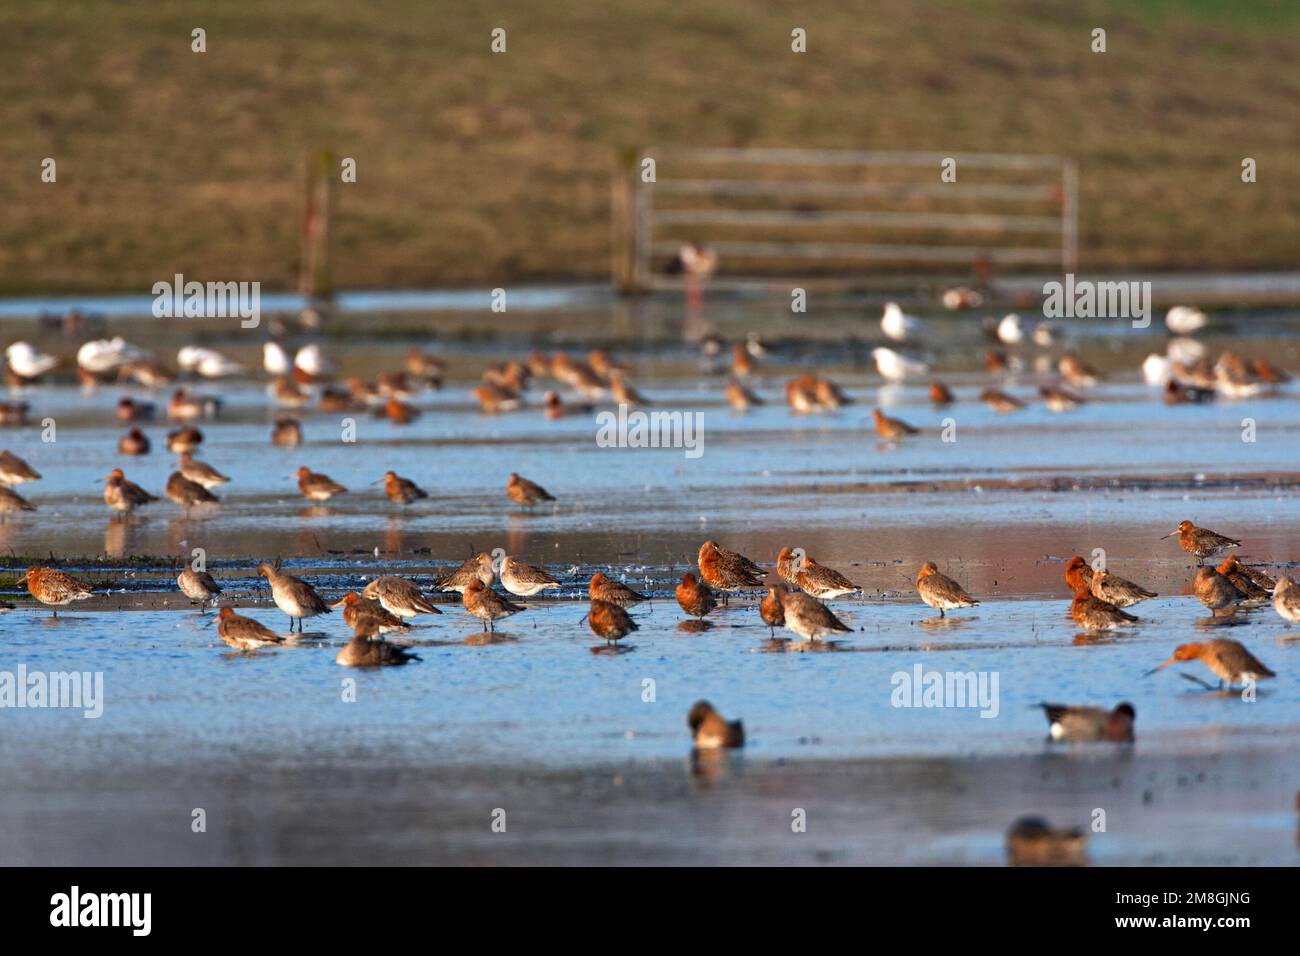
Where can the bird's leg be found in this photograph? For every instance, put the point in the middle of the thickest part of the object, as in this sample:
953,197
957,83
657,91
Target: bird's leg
941,614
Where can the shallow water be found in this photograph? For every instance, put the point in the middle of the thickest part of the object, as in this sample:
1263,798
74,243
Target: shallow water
542,709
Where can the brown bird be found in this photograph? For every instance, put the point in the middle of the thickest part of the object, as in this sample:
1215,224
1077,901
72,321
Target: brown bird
1077,372
1256,585
361,651
609,621
695,597
1060,399
1000,401
400,490
477,568
315,486
809,617
399,596
940,591
130,410
399,412
1201,542
197,585
133,443
525,580
494,399
786,567
361,613
122,495
710,731
185,405
187,493
940,394
1093,614
184,439
1078,576
53,588
1088,724
486,605
14,471
892,429
1215,591
294,596
602,588
524,492
1117,591
741,398
286,433
1228,659
1031,841
11,501
822,582
772,610
243,633
726,570
200,472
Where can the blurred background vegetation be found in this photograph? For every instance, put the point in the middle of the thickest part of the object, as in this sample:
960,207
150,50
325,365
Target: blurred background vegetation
478,168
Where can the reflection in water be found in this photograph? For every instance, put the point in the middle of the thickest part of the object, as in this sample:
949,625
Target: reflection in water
695,625
119,536
613,649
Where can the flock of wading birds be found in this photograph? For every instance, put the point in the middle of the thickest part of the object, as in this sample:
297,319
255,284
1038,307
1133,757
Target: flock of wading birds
1184,373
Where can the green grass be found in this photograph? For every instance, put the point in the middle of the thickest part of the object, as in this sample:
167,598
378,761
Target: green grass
475,168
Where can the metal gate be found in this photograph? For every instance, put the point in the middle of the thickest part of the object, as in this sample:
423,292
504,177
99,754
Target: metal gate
842,216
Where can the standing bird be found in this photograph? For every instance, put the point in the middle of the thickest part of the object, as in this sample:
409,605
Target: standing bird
287,433
1215,591
53,588
294,596
11,501
1059,399
786,568
524,580
1117,591
243,633
741,398
200,472
892,429
772,611
695,597
898,325
603,588
486,605
1201,542
822,582
1000,401
1256,585
609,621
524,492
361,651
188,493
184,439
478,568
1286,600
1228,659
940,591
122,495
940,394
399,596
809,617
14,471
1031,841
197,585
710,731
727,570
1094,614
316,487
133,443
1088,724
1078,576
366,615
401,491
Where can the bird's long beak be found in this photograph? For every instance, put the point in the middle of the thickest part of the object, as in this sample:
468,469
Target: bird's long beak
1169,535
340,602
1171,660
377,481
23,578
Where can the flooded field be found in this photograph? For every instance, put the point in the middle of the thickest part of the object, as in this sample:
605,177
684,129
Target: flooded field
586,748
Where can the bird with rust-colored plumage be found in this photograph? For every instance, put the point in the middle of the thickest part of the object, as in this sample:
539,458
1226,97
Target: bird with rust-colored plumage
695,597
